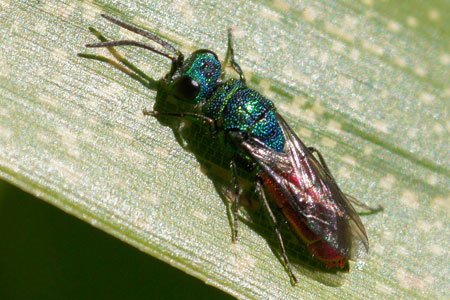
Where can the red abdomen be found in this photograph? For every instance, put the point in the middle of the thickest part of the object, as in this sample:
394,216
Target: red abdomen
318,248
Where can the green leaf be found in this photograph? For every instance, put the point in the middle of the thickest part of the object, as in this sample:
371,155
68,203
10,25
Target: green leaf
365,82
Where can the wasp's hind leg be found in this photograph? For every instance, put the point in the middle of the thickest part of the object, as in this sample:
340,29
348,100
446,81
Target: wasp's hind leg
262,195
321,159
370,210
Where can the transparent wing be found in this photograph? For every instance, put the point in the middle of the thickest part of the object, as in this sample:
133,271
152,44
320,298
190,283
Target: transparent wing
312,191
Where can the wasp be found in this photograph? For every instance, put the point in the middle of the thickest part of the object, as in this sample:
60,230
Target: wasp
286,171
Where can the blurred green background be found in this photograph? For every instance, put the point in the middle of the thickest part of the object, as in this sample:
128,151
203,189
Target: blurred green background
48,254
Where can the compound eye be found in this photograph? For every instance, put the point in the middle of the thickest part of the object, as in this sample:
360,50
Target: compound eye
186,88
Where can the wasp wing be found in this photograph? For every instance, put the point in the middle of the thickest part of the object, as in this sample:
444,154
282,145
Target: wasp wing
312,191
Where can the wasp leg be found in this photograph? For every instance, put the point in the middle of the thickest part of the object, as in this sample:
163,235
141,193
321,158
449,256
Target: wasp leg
230,56
262,195
371,210
236,200
321,159
203,118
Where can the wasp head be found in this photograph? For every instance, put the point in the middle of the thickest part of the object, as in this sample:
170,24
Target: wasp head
197,77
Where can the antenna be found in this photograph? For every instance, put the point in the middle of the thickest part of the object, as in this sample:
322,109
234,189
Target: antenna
166,45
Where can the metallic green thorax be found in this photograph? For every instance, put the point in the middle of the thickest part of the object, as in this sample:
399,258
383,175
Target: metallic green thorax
234,106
